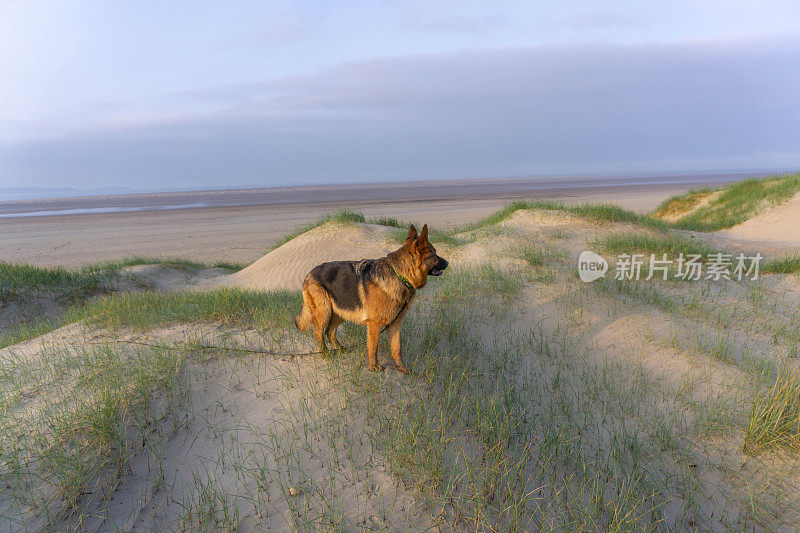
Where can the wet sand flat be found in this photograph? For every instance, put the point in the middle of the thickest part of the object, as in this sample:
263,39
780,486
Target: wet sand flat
225,230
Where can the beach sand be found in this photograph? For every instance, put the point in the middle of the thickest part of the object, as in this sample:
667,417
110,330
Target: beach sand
779,225
242,234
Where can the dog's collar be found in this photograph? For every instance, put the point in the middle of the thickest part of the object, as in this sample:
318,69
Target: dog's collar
403,279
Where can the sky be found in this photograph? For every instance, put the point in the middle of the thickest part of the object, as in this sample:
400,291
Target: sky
172,95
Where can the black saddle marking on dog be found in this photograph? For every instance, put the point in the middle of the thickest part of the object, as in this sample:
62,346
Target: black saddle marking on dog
340,279
367,272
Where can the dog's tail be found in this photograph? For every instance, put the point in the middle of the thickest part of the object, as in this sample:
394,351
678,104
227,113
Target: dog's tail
303,320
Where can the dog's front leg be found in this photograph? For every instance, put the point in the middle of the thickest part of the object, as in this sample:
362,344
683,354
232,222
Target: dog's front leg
373,331
393,332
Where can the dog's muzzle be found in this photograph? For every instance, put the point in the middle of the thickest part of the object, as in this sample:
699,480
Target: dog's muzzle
438,268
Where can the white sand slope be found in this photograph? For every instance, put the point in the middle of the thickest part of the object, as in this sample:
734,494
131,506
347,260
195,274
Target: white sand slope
287,266
238,432
778,225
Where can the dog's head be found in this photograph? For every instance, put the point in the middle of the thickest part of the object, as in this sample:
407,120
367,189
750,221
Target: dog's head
424,259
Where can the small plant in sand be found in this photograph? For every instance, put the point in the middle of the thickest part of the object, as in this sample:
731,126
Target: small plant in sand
783,265
775,416
533,256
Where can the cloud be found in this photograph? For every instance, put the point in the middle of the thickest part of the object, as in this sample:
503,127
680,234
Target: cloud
475,24
279,27
570,109
595,21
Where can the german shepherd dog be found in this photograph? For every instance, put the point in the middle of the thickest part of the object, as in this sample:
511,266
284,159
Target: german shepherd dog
375,292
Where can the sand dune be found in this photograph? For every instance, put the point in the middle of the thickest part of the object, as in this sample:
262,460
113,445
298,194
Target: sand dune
286,440
779,225
287,266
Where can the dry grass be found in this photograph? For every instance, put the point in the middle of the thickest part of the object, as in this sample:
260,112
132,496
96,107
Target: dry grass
681,205
775,416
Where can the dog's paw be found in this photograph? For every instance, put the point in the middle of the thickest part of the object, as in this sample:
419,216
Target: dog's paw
376,368
402,369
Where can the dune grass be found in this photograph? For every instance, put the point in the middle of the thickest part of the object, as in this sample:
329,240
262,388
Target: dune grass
434,236
495,218
345,216
674,244
775,416
76,285
609,213
663,241
75,442
653,243
174,262
387,221
782,265
533,255
487,449
30,329
229,306
71,289
506,441
736,203
596,212
101,395
680,204
65,285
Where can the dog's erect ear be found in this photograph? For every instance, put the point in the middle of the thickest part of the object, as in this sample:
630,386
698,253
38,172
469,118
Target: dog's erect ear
423,237
412,233
421,243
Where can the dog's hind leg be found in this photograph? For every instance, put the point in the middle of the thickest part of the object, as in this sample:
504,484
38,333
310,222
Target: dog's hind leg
316,311
334,323
304,320
393,332
322,316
